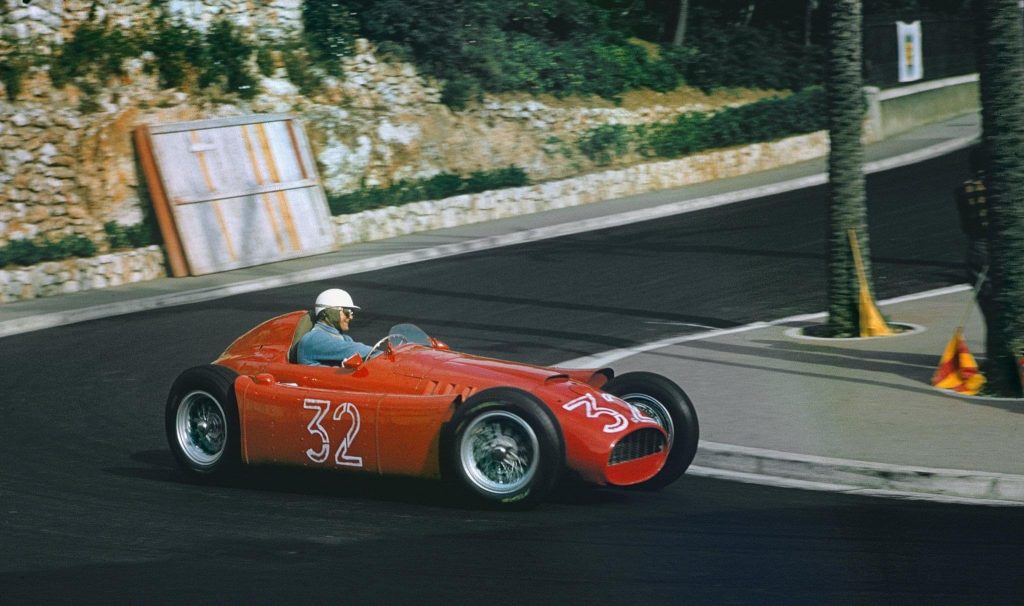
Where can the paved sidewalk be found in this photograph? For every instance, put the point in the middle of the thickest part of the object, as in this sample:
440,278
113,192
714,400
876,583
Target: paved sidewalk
776,408
850,415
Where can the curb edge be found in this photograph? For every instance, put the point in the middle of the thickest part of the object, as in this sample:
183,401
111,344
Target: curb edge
763,466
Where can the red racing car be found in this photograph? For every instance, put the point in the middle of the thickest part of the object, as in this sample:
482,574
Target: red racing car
501,431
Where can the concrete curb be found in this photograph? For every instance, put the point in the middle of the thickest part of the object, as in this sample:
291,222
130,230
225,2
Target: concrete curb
762,466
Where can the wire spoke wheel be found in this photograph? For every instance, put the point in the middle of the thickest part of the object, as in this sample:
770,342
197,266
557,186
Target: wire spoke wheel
201,427
201,422
502,448
499,452
651,407
661,399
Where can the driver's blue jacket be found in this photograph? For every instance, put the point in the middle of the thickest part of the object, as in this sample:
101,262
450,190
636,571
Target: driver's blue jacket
325,344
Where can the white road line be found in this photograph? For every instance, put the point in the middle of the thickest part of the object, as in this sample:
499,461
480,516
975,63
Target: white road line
614,355
50,320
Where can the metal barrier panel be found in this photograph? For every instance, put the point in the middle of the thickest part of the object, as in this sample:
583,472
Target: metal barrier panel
240,191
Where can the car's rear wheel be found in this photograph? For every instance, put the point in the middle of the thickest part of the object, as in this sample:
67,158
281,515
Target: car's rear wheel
201,421
661,399
503,447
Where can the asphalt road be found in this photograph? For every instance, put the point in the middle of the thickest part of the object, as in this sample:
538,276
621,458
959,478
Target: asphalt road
92,509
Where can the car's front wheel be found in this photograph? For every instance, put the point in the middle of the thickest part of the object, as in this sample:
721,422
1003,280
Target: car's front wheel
201,421
504,447
661,399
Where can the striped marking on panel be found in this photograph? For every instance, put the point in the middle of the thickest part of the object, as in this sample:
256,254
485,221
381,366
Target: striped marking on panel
298,150
282,199
260,181
200,149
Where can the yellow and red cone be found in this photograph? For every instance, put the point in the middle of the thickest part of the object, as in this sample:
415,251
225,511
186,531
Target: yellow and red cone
872,324
958,370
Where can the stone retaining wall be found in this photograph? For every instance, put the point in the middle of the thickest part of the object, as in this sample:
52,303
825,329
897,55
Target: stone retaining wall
74,275
53,21
395,221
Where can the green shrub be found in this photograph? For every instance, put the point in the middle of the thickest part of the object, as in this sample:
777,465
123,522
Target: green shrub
686,135
13,67
439,186
129,236
226,61
177,49
24,252
31,252
752,58
181,56
765,120
330,28
95,51
562,47
74,246
604,142
265,60
510,176
300,70
458,91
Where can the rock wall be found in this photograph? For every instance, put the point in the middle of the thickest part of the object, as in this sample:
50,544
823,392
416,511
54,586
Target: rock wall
396,221
64,170
52,21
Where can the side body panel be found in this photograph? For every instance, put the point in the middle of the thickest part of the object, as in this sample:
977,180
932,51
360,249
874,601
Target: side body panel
292,425
286,424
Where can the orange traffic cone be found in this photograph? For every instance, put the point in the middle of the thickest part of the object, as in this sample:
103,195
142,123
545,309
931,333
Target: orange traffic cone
958,369
871,322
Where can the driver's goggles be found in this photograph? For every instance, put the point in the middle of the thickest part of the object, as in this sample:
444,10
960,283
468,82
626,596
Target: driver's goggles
348,313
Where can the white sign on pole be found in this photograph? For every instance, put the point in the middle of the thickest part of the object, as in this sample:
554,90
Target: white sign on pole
908,37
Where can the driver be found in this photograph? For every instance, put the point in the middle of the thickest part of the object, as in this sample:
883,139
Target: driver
327,343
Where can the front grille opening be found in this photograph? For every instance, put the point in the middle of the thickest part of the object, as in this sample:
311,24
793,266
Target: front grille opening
640,443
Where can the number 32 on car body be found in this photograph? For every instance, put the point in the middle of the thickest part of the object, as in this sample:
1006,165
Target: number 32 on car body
341,456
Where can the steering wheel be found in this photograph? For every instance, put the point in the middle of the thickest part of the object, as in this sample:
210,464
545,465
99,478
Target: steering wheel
390,340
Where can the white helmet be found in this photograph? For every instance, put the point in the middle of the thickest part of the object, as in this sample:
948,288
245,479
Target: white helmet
333,297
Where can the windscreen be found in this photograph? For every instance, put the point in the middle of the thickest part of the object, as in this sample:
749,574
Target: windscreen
408,333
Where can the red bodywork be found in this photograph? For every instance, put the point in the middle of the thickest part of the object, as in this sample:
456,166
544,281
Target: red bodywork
386,416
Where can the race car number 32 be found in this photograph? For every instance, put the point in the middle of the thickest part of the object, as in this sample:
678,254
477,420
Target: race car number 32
316,427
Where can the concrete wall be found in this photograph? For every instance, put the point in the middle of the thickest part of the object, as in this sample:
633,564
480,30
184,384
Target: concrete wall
898,110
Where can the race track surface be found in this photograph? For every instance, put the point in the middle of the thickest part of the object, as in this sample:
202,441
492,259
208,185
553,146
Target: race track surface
94,511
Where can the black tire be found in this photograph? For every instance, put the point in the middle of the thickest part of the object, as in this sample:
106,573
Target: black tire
503,447
662,399
201,421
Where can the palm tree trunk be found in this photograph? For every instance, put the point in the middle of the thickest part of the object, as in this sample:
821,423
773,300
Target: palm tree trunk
847,208
680,36
1001,47
808,15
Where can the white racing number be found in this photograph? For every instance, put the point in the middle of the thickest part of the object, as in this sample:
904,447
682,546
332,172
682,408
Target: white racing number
321,407
342,457
594,410
316,428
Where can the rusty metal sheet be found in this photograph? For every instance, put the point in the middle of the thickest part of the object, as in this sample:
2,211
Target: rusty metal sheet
240,191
